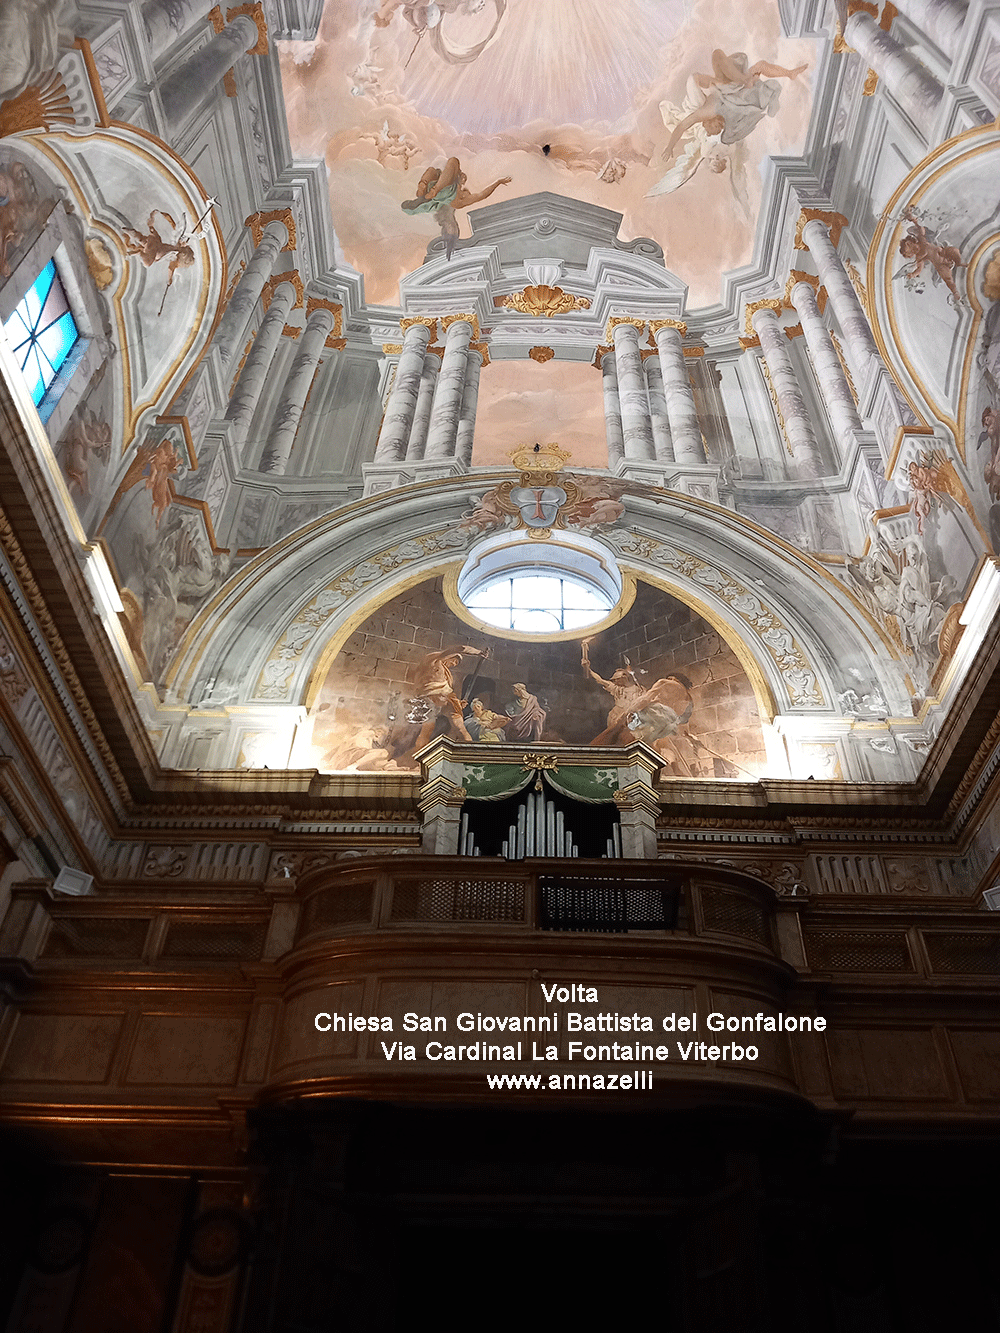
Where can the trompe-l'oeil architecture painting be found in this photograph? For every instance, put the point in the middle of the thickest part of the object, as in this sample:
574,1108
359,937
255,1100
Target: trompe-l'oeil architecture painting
550,432
287,420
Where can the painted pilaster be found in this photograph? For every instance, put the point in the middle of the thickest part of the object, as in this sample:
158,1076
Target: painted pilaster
398,421
243,301
637,429
184,91
288,413
166,21
685,431
417,442
830,375
806,456
910,83
612,409
446,410
253,376
940,20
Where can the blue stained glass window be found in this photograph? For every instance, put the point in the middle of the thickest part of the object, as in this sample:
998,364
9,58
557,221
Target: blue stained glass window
42,331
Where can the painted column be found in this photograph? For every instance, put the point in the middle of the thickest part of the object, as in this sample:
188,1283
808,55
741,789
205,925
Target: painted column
243,301
417,442
829,372
663,446
612,408
470,397
447,407
637,429
940,20
166,21
398,420
858,339
184,91
798,428
288,413
685,432
253,376
910,83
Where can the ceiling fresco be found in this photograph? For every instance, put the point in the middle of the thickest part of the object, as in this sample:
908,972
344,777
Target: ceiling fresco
663,110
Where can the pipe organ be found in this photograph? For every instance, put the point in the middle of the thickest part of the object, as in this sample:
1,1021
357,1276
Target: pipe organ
541,826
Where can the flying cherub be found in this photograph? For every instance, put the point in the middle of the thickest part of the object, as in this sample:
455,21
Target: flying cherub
441,190
921,247
151,248
389,144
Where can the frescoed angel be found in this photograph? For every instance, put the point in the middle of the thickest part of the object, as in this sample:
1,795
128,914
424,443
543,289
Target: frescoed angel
151,248
426,17
441,190
719,111
391,146
922,246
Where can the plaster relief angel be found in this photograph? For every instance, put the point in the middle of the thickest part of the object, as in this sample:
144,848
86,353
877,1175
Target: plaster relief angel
925,245
721,109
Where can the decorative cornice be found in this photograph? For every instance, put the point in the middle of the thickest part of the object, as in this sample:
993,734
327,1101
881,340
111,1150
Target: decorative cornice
835,221
275,281
615,320
542,354
439,791
448,320
258,221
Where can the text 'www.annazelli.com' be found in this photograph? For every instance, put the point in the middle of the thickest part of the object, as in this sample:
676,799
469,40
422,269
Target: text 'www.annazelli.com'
641,1080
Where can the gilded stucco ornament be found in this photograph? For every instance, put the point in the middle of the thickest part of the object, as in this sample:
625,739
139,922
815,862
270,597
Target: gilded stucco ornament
543,300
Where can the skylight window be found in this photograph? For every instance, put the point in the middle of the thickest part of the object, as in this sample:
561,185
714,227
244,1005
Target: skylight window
42,331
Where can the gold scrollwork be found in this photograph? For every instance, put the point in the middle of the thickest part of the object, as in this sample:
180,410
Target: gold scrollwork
543,300
258,221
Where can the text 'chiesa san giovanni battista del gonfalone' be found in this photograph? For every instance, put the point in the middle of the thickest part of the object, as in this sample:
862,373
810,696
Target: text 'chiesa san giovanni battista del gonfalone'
499,533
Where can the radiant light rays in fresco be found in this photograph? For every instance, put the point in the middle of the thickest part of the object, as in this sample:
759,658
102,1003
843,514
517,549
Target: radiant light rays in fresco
573,59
